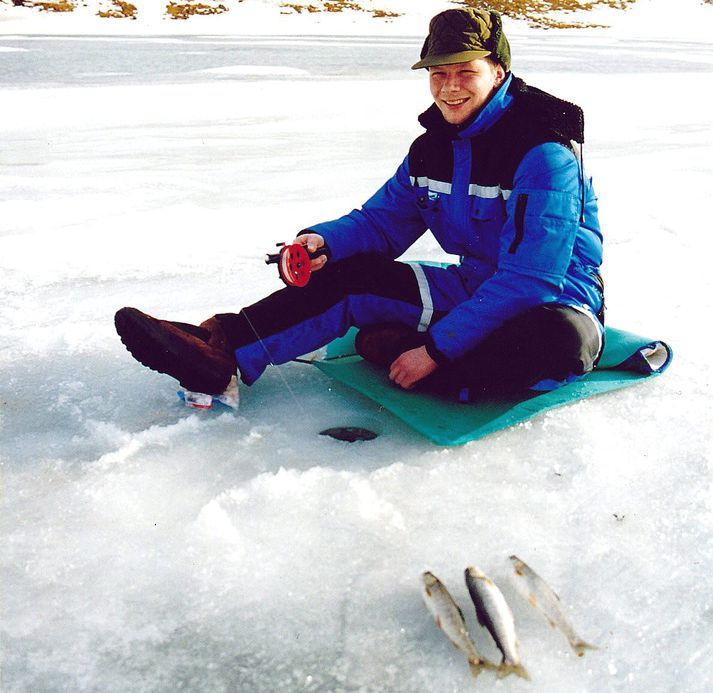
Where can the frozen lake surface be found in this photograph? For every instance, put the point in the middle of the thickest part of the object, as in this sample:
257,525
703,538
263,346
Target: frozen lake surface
50,61
146,547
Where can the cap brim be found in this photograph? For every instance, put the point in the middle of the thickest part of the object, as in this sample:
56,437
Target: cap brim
450,59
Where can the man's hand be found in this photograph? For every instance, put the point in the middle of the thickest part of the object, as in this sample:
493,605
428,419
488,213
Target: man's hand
411,367
313,242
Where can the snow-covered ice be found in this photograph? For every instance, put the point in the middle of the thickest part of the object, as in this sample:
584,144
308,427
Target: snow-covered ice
148,547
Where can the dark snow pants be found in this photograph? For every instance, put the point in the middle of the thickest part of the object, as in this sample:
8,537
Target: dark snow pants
551,342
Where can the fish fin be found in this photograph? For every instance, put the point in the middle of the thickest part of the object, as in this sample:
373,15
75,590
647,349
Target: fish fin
478,663
475,665
580,647
490,666
506,669
518,565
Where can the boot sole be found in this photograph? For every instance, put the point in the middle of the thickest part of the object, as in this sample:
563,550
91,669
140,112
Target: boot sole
157,346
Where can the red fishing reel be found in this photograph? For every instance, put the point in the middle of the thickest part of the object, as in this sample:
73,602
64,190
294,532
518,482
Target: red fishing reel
293,263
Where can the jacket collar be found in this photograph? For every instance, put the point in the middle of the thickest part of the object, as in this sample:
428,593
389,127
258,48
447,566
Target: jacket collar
487,116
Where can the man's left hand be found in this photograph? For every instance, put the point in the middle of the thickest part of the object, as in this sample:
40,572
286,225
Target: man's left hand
411,366
313,242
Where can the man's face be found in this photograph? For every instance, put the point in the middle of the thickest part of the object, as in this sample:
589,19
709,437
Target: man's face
460,90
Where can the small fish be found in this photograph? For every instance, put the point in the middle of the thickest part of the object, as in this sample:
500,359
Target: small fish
494,614
449,618
542,597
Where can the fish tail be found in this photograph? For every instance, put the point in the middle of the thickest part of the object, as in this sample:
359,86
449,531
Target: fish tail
476,665
506,669
580,647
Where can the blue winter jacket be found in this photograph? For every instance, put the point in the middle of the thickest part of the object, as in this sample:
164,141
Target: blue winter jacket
507,194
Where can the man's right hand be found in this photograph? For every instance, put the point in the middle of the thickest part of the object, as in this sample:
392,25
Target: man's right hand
313,242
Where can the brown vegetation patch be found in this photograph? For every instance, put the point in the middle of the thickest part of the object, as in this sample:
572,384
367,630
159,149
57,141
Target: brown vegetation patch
379,14
186,10
60,6
336,6
535,12
299,8
119,10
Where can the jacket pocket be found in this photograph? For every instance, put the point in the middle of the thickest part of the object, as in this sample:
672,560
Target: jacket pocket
487,216
540,233
488,209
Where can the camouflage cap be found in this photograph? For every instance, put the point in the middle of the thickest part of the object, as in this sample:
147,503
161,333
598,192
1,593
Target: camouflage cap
457,36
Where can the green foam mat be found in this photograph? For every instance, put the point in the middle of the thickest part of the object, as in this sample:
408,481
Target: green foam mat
627,359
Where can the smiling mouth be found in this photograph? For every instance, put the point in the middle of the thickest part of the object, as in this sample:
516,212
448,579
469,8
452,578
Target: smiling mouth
454,102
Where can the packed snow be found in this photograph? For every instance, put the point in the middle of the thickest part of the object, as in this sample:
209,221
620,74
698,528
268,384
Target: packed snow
149,547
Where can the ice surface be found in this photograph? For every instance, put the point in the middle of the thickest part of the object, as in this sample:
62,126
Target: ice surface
148,547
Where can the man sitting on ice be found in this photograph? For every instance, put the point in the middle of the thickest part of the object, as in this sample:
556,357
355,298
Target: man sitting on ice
497,178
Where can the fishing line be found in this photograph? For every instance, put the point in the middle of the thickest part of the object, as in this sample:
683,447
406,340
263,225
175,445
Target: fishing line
352,433
345,433
272,362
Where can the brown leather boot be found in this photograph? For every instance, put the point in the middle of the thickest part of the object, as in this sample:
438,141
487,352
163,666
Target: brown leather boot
198,364
216,335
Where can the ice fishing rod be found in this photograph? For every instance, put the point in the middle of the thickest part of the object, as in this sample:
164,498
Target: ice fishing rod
293,263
